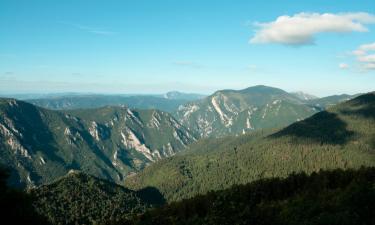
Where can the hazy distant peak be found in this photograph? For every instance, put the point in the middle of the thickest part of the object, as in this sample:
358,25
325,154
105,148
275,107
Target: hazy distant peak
182,95
303,96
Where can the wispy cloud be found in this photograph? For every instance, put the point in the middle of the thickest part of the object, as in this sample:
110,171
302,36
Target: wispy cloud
343,66
93,30
300,29
365,55
188,64
252,67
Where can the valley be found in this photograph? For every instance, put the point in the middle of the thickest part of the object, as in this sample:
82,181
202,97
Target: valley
133,160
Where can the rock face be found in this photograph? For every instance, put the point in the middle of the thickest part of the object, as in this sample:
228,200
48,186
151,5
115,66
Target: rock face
234,112
40,145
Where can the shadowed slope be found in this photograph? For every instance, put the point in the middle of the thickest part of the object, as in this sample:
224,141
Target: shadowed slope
323,127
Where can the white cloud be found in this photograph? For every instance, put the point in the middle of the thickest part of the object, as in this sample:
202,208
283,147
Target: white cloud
300,29
367,47
343,66
365,55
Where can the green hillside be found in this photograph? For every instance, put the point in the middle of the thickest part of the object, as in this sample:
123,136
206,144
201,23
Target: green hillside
341,137
328,197
81,199
40,145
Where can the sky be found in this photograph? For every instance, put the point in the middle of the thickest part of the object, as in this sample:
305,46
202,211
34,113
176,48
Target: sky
137,46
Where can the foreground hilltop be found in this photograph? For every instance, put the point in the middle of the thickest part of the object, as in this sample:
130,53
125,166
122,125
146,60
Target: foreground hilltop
40,145
78,198
340,137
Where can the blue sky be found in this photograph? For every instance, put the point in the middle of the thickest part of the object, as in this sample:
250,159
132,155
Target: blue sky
194,46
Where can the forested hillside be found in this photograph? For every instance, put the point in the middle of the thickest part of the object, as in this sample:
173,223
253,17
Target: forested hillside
341,137
82,199
327,197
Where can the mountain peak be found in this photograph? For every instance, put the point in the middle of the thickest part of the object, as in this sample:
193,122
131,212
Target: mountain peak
263,88
257,89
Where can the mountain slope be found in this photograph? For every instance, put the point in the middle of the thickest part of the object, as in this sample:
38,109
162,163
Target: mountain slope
40,145
235,112
341,137
81,199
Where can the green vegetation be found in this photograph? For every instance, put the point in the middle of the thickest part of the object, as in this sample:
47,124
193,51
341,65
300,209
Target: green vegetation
335,197
341,137
81,199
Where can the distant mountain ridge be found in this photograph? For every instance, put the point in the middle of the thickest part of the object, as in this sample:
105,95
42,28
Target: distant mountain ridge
182,95
97,101
303,96
168,102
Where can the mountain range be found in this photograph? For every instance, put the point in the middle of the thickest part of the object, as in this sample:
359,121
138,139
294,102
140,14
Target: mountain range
114,142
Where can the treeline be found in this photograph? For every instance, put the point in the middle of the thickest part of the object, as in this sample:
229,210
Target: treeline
342,197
